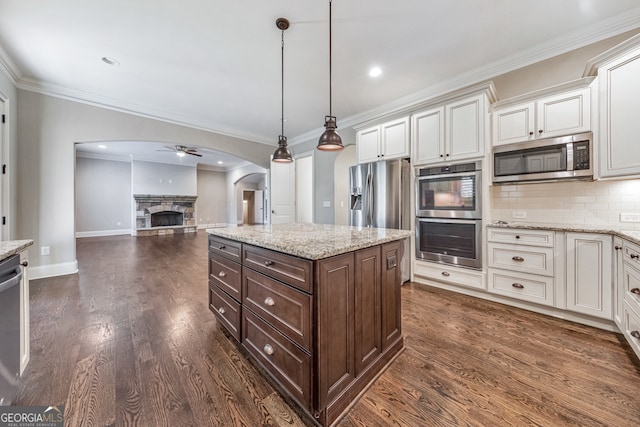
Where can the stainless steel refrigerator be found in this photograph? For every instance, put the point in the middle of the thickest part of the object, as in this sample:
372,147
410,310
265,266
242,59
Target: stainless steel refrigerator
380,198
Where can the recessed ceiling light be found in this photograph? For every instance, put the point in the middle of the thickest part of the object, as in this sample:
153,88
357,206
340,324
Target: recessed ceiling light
180,154
220,162
110,61
375,71
102,146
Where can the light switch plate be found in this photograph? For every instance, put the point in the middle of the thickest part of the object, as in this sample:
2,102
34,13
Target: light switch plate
630,217
518,214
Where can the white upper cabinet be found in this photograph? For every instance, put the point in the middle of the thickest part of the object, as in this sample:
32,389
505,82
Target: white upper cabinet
545,117
383,142
619,96
450,132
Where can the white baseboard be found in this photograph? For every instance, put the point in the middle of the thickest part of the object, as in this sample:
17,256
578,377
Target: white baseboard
214,225
81,234
52,270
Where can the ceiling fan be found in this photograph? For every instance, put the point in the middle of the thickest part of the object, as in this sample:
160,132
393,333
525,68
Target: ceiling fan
181,150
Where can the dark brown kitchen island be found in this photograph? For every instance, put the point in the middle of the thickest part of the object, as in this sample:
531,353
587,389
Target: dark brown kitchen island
316,306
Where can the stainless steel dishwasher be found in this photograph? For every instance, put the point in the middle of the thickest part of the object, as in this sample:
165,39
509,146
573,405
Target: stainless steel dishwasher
10,276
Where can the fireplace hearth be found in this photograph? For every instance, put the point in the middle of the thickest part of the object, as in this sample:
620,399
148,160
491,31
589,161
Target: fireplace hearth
164,214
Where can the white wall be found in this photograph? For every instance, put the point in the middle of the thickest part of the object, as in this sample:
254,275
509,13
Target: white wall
159,179
9,96
48,129
103,197
212,198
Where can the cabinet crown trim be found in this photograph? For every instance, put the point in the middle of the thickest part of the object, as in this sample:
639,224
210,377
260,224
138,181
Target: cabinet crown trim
541,93
618,50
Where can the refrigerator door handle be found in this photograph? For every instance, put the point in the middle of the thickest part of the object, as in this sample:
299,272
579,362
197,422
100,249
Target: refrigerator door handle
371,201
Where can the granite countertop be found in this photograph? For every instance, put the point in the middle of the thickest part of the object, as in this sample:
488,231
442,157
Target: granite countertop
12,247
310,241
631,235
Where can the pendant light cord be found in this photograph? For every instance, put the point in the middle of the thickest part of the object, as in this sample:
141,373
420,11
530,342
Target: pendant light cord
330,56
282,86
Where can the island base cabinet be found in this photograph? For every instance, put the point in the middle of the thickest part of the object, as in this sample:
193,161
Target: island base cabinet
226,309
391,313
631,329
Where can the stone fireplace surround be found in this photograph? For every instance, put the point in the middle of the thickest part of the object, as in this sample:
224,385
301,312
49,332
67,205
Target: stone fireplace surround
148,205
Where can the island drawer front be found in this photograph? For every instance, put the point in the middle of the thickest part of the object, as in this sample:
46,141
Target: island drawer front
631,285
526,287
286,362
284,307
226,274
226,310
631,253
294,271
515,236
526,259
227,248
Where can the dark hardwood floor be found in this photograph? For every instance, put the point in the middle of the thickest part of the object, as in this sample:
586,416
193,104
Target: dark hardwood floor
129,340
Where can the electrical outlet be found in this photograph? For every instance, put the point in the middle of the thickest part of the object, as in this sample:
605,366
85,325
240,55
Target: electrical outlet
44,250
518,214
630,217
326,204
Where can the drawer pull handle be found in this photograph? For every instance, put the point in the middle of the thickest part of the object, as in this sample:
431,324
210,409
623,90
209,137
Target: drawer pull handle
635,291
517,258
222,274
269,301
268,349
268,263
221,310
635,334
446,274
518,285
617,248
636,256
222,248
517,236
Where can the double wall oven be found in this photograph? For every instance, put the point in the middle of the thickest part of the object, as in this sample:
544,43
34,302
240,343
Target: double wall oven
449,214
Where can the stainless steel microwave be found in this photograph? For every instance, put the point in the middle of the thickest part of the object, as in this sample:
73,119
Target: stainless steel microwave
565,157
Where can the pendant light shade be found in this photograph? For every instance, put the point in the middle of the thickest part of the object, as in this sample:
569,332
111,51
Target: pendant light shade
282,154
330,140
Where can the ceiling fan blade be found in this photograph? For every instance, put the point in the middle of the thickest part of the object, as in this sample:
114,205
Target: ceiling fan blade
193,153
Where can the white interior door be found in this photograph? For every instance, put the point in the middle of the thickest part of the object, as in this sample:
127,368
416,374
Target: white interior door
304,188
258,206
282,189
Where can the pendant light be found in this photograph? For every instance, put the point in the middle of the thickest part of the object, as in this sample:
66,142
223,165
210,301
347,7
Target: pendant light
282,154
330,140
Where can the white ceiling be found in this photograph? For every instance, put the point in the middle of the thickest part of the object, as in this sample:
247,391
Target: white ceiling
215,64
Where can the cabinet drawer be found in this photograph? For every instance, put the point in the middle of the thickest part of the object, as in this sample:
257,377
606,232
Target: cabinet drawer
632,329
514,236
449,274
286,362
229,249
227,310
631,285
631,253
226,275
295,271
525,259
284,307
526,287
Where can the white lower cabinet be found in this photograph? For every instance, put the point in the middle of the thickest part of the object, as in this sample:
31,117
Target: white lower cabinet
521,264
428,271
589,282
631,329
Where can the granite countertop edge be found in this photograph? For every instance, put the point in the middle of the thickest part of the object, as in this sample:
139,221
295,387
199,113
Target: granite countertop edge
303,240
631,235
12,247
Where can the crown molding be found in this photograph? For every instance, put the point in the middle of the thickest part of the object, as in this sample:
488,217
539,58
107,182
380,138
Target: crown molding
602,30
594,63
8,67
121,106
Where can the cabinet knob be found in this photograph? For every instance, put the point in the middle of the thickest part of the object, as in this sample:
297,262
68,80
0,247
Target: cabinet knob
221,310
447,155
517,258
268,349
446,274
222,248
635,334
25,263
617,248
540,131
268,263
441,155
634,256
518,285
517,236
530,133
635,291
222,274
269,301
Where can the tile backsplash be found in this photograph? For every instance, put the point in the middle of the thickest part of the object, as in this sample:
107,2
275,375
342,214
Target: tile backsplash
568,202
